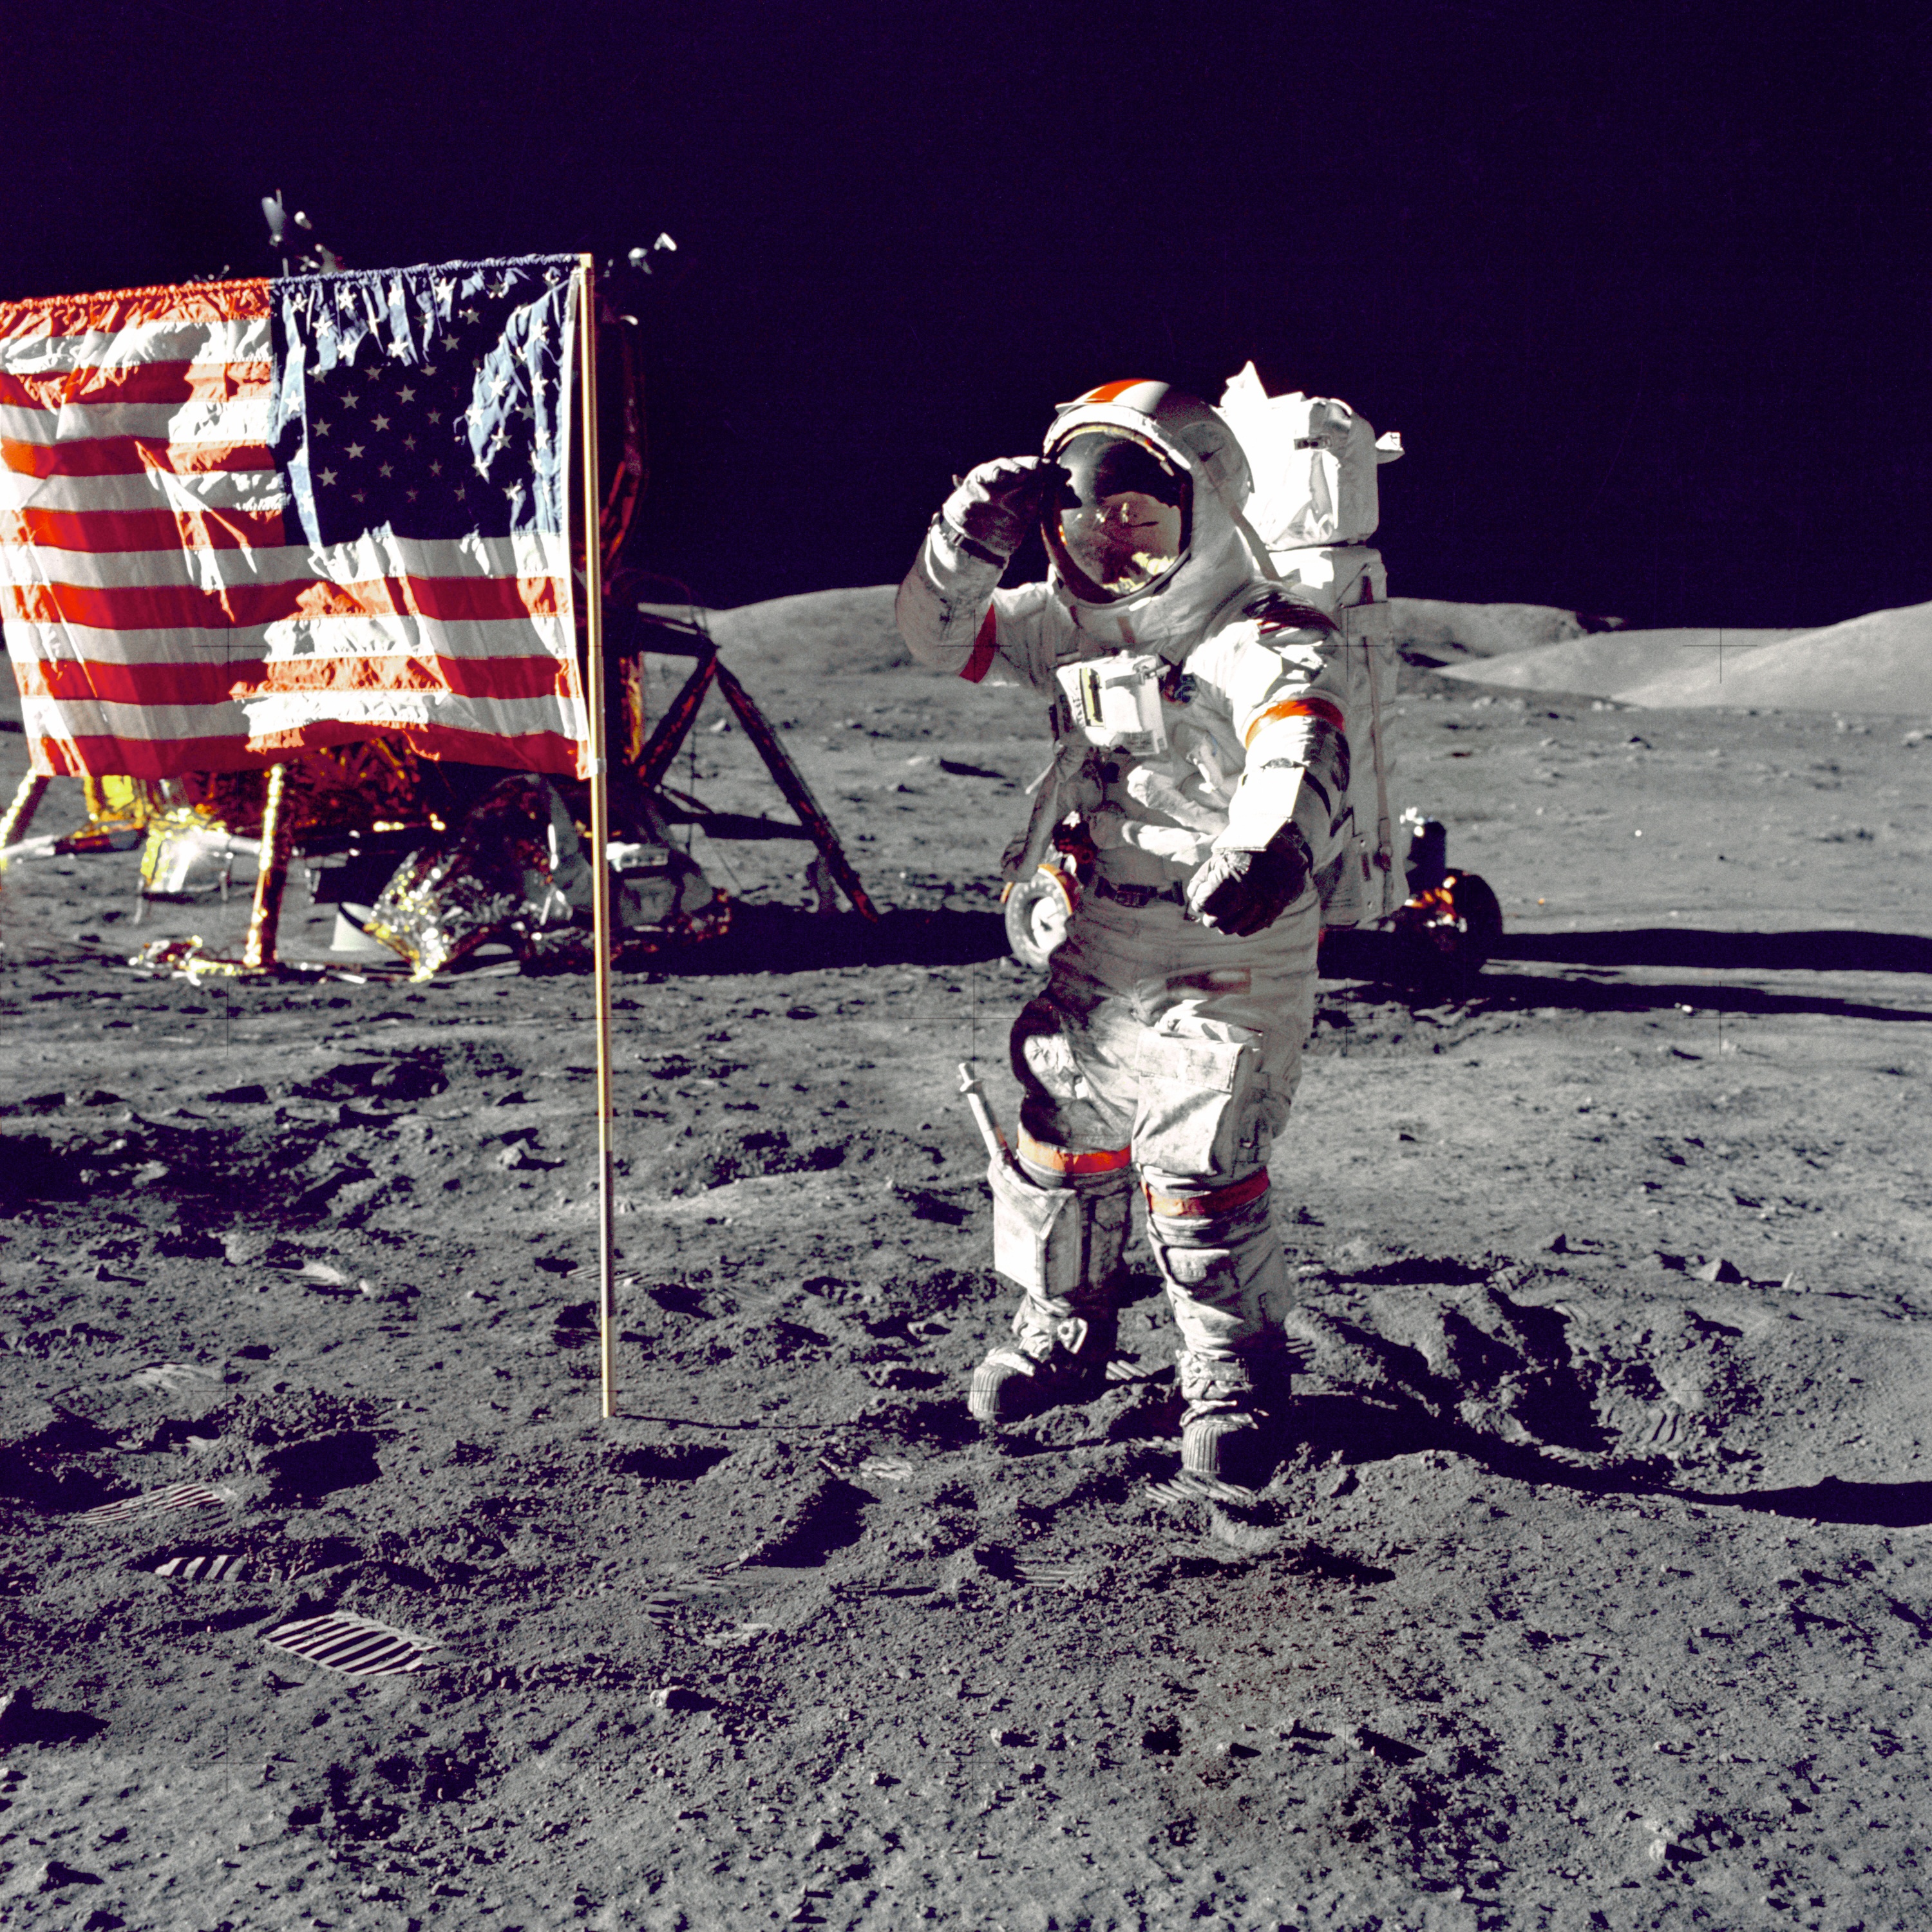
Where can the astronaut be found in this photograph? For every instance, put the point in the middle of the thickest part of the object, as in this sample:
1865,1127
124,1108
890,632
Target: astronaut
1200,718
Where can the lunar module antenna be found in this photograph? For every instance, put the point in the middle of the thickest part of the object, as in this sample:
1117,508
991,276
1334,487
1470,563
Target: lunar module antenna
319,258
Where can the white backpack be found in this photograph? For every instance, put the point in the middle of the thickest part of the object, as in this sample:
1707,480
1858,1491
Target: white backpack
1314,507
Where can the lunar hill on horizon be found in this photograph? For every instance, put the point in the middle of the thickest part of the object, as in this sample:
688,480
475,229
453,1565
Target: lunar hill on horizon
1870,665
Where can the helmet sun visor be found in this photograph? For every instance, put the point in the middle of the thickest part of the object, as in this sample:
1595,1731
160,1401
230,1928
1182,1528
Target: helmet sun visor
1118,522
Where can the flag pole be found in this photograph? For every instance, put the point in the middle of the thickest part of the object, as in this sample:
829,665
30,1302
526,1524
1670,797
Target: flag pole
600,835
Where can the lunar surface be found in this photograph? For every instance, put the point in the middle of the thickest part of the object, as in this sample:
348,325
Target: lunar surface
1594,1590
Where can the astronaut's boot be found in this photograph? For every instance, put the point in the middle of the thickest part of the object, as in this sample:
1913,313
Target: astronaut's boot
1227,1282
1060,1236
1231,1428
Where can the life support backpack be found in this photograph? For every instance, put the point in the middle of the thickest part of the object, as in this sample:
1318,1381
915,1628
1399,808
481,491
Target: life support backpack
1313,508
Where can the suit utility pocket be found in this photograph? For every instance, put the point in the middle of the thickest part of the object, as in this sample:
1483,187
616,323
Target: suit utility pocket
1195,1095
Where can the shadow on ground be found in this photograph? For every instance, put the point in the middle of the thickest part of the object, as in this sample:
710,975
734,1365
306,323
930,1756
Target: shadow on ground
1670,946
1376,957
1493,992
1875,1505
787,939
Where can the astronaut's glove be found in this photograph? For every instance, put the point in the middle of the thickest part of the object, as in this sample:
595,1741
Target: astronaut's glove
996,504
1238,893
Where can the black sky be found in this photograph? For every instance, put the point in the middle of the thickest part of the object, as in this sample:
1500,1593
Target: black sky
1645,289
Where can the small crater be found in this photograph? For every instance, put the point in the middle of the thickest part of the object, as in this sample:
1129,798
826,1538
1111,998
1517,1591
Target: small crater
669,1462
791,1336
323,1465
1336,1566
940,1424
674,1298
828,1517
575,1325
1420,1271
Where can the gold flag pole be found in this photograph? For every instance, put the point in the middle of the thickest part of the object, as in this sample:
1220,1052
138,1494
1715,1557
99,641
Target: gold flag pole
600,835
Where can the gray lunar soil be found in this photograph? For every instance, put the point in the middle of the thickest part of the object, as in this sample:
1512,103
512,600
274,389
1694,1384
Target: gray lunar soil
1595,1591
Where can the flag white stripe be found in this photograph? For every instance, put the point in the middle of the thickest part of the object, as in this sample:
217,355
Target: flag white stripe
222,419
375,554
395,634
210,570
503,717
211,489
233,340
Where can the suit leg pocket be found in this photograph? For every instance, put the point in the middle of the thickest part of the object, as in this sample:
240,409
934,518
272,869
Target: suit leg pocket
1198,1093
1036,1235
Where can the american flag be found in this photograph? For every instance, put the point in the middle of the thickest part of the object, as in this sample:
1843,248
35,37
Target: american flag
240,518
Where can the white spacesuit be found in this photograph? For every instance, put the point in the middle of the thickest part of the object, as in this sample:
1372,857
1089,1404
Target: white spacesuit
1200,713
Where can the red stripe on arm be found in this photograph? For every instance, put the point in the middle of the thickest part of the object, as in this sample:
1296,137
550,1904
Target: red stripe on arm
984,647
1312,706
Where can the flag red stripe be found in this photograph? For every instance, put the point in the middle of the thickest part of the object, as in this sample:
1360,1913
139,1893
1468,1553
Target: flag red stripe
104,682
181,607
161,758
112,532
128,456
245,299
135,382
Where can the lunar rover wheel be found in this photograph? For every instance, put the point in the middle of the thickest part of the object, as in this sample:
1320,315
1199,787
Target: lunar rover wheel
1446,933
1037,910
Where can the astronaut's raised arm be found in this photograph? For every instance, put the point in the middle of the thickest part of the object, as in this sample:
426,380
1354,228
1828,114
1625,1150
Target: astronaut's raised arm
945,607
950,610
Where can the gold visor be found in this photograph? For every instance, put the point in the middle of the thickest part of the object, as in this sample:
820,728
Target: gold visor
1123,543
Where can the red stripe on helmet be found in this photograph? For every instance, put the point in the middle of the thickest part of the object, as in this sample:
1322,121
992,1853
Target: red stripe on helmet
1109,392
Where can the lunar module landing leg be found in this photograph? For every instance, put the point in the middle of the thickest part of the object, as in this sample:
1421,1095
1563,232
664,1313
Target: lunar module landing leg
668,736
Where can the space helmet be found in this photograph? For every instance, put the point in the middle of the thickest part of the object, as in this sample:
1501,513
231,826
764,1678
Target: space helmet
1143,478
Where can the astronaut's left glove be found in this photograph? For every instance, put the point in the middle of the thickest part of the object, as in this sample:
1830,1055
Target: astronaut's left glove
993,507
1239,893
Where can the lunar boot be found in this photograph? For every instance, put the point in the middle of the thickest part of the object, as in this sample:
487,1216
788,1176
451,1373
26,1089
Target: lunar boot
1059,1233
1227,1282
